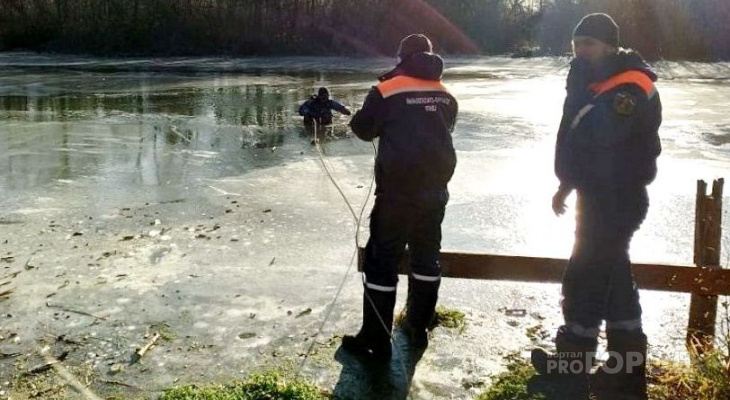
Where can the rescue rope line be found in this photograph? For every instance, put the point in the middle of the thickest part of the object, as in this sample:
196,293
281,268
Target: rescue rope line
358,220
326,317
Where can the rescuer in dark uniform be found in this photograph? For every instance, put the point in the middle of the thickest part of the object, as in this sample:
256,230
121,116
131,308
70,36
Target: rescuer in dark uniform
413,115
606,151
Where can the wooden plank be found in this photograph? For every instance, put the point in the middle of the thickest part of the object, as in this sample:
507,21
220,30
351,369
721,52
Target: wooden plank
671,278
708,232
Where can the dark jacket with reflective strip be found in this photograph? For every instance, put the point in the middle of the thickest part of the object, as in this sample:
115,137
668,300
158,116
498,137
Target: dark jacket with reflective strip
608,137
414,115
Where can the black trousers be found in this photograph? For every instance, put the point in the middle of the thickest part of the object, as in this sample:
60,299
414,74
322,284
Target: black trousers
397,222
598,283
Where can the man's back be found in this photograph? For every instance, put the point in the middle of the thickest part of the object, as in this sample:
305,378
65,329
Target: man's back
414,115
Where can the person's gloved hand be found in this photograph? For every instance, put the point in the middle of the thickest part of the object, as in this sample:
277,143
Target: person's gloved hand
559,206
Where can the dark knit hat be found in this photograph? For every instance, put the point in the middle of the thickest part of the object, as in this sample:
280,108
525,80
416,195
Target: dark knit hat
323,92
412,44
600,27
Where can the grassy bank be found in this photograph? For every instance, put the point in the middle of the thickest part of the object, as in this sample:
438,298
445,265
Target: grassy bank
267,385
708,378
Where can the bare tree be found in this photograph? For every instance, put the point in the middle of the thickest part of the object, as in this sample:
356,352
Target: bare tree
695,29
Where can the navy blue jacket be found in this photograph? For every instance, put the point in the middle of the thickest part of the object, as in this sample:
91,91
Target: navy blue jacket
414,115
608,136
318,108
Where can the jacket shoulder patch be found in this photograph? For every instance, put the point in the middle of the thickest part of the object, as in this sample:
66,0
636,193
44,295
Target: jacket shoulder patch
624,103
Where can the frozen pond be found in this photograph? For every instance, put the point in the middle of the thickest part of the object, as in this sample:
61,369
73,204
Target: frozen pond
111,170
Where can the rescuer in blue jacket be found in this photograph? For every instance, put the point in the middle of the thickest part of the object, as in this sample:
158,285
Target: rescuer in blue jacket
606,151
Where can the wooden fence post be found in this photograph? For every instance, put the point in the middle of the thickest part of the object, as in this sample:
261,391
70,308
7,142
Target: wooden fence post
708,227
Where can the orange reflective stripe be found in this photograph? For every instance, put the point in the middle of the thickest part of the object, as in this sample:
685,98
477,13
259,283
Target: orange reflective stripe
629,77
404,84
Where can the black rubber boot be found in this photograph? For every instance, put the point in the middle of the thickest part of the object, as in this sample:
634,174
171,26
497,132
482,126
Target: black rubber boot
373,340
616,380
420,310
568,368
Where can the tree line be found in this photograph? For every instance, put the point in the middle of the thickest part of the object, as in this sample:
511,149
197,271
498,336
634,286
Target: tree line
671,29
